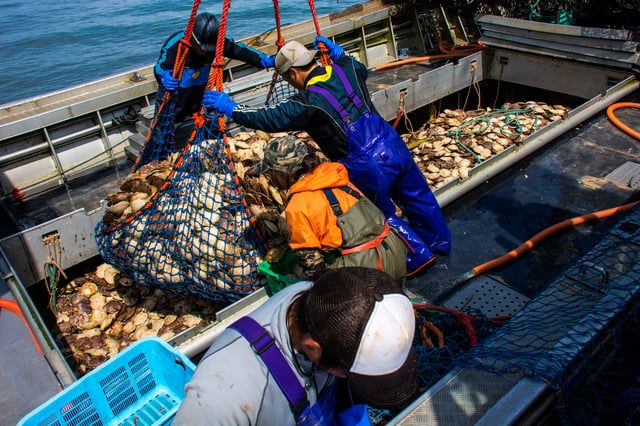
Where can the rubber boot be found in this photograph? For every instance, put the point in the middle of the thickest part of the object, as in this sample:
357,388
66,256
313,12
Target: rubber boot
419,257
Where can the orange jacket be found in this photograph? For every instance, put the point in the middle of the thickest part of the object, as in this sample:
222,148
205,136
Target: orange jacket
311,221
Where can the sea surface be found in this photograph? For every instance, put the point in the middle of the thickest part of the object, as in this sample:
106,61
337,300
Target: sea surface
49,45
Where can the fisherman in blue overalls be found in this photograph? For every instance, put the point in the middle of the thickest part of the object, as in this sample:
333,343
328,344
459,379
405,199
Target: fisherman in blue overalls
335,108
348,334
195,76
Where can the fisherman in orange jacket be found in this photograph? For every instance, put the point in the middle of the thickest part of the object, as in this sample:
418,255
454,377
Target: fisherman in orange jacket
331,223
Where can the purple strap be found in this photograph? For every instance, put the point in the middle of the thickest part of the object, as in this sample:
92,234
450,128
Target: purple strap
334,103
263,344
345,82
346,119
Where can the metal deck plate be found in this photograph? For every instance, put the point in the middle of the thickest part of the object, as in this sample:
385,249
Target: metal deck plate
458,399
489,296
627,174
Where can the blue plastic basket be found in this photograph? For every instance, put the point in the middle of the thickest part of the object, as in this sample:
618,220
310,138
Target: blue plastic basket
142,385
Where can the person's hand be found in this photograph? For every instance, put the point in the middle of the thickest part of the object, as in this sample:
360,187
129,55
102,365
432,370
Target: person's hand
335,51
219,101
169,82
268,61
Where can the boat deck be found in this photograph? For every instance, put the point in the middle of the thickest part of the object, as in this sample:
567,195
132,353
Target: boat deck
565,179
27,379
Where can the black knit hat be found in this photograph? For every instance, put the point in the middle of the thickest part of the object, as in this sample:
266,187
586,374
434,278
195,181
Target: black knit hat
365,324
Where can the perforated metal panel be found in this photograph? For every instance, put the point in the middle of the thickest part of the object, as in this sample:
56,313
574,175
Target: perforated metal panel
458,399
627,174
491,297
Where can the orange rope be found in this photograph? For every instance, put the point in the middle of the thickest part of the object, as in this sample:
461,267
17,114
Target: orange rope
527,245
279,44
619,123
216,76
324,52
13,306
465,320
178,67
426,339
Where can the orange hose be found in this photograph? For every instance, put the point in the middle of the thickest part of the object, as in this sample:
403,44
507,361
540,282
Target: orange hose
527,245
428,58
13,306
619,123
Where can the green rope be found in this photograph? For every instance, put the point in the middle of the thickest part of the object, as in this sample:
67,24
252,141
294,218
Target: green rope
52,274
512,121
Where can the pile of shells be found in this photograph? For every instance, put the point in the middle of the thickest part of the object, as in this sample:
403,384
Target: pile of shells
266,202
454,142
137,189
103,312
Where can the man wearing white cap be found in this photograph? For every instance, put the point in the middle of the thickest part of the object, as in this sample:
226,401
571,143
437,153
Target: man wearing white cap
281,364
334,107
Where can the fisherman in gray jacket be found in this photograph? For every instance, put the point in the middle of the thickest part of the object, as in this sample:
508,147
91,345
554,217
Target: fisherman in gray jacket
354,324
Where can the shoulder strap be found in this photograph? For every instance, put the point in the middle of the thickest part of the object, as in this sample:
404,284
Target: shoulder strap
263,344
346,119
333,200
349,190
345,82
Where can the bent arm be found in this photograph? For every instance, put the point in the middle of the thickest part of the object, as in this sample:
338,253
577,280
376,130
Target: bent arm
242,52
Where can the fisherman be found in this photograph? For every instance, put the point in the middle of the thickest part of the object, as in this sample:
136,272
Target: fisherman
334,107
195,76
350,333
331,224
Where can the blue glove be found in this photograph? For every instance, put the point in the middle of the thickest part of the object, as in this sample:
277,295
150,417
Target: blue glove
219,101
268,61
335,51
169,82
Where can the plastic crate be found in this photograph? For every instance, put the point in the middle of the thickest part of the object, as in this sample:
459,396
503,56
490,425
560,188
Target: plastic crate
142,385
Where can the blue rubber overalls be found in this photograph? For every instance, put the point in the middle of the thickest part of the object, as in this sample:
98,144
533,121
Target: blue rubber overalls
381,166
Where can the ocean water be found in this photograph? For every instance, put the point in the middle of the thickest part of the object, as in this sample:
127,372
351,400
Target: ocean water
49,45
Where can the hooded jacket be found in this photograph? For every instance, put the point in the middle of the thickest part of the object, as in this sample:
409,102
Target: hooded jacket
317,232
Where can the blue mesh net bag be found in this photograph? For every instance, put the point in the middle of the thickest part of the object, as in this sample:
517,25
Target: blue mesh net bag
181,224
279,90
160,141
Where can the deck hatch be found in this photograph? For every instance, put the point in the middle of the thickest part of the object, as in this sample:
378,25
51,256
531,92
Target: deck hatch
491,297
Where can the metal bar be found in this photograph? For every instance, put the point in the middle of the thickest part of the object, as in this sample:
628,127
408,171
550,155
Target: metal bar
200,343
105,137
446,21
54,155
464,31
394,46
364,45
529,394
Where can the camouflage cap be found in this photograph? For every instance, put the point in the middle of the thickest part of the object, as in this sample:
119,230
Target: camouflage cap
283,154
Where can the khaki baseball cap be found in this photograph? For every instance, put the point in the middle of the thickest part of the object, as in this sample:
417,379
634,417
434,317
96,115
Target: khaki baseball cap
293,54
